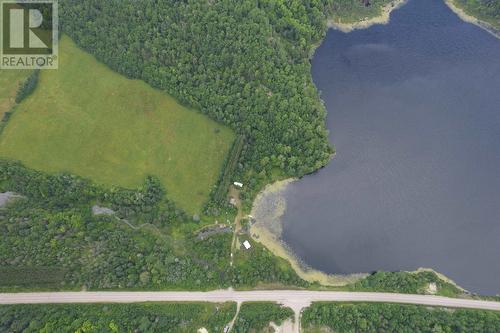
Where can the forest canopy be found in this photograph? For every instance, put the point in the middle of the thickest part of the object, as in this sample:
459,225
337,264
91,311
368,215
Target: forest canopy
142,317
364,318
486,10
245,64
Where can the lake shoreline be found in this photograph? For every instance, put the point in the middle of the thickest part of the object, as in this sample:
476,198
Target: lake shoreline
472,19
383,18
268,209
269,231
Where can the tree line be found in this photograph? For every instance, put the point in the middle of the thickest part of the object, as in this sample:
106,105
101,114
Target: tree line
63,191
376,318
256,316
87,318
245,64
52,228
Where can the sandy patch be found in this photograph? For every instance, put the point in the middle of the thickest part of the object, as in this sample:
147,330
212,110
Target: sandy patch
383,18
287,326
7,197
98,210
440,276
432,288
267,211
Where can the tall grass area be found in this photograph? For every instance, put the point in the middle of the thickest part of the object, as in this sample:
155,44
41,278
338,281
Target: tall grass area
90,121
9,83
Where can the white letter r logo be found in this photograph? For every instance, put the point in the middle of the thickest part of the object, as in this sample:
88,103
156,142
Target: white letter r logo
17,28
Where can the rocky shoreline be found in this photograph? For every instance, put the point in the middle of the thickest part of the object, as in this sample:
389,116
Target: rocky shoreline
383,18
471,19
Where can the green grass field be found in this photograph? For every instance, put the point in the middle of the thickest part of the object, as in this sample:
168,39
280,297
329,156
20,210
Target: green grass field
9,82
90,121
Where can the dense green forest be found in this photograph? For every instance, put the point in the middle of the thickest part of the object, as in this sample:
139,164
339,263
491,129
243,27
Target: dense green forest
255,317
50,239
100,252
376,318
486,10
243,63
259,266
147,244
65,191
87,318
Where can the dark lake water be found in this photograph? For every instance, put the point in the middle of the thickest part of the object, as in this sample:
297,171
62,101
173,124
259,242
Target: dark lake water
414,113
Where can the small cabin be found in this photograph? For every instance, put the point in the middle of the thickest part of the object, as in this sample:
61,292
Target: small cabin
247,245
238,184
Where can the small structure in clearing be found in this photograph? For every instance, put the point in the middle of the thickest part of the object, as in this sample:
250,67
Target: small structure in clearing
240,185
247,245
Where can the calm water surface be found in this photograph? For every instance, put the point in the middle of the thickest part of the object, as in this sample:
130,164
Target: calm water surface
414,112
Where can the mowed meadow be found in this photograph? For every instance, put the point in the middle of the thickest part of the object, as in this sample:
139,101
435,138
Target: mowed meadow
87,120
